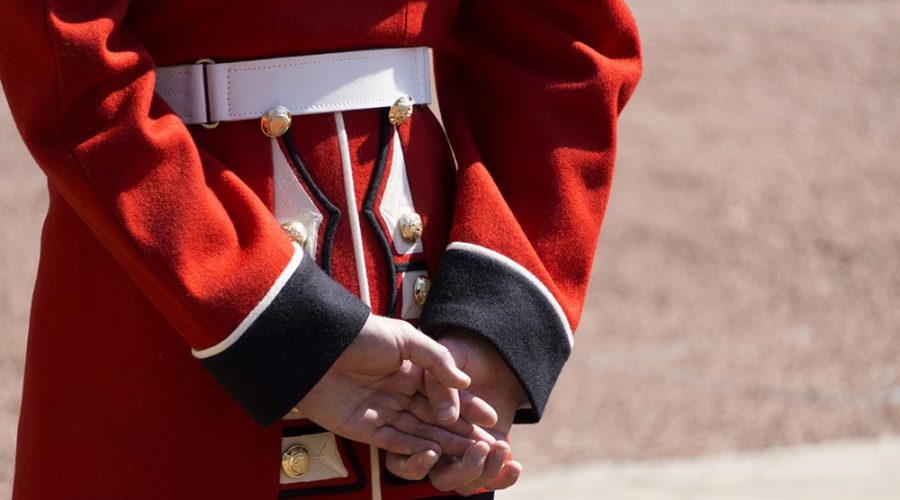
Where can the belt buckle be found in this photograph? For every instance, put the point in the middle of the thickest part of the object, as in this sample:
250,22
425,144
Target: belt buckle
208,125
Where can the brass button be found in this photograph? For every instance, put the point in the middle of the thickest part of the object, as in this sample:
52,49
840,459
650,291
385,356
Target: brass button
295,461
296,231
401,110
420,290
411,227
275,121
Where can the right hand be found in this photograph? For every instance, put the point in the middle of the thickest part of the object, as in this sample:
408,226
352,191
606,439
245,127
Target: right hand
486,463
371,394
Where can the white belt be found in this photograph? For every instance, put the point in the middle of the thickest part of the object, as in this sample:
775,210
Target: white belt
340,81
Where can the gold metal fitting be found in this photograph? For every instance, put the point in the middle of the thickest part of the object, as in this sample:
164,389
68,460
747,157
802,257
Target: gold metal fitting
401,110
210,125
411,227
420,290
296,231
295,461
275,121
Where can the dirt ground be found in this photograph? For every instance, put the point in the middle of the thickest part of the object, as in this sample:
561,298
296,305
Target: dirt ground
745,293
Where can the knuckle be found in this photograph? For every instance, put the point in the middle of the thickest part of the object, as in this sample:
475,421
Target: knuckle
383,417
406,330
371,417
443,352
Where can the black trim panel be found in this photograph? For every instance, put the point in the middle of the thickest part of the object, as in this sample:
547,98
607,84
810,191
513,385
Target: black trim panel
334,213
480,294
291,344
413,265
387,131
288,430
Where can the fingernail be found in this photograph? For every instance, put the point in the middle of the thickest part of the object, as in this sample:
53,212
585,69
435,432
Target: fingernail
430,458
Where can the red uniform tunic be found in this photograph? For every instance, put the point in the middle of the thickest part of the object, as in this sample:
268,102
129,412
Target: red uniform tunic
165,278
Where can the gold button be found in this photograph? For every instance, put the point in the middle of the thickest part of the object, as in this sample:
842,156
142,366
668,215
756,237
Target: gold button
411,227
295,461
275,121
296,231
420,290
401,110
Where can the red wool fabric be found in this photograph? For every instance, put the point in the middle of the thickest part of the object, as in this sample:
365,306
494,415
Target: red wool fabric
160,237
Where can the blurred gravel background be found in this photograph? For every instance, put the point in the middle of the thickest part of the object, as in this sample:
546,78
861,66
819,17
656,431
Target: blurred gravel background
745,293
746,289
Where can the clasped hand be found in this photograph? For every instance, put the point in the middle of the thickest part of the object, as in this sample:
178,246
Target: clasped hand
441,409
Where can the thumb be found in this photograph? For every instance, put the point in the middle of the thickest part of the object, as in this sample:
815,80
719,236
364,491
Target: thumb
443,400
429,355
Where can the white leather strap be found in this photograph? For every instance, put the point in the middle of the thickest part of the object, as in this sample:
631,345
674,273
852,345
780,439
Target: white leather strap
340,81
182,87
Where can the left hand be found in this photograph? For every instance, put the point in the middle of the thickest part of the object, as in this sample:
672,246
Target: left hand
370,393
485,463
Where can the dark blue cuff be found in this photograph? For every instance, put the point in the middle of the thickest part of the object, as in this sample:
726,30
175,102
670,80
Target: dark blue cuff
483,295
291,345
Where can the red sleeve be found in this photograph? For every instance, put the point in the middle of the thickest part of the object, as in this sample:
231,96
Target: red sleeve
199,242
530,92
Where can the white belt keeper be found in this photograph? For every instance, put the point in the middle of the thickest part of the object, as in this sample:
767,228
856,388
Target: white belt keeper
205,93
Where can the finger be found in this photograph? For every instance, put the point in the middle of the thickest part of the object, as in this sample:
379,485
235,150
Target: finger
413,467
390,439
432,356
377,416
444,400
492,466
508,476
451,444
421,409
459,473
476,410
408,380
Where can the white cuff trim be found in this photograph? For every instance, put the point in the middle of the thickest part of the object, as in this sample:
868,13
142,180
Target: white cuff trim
519,269
263,304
